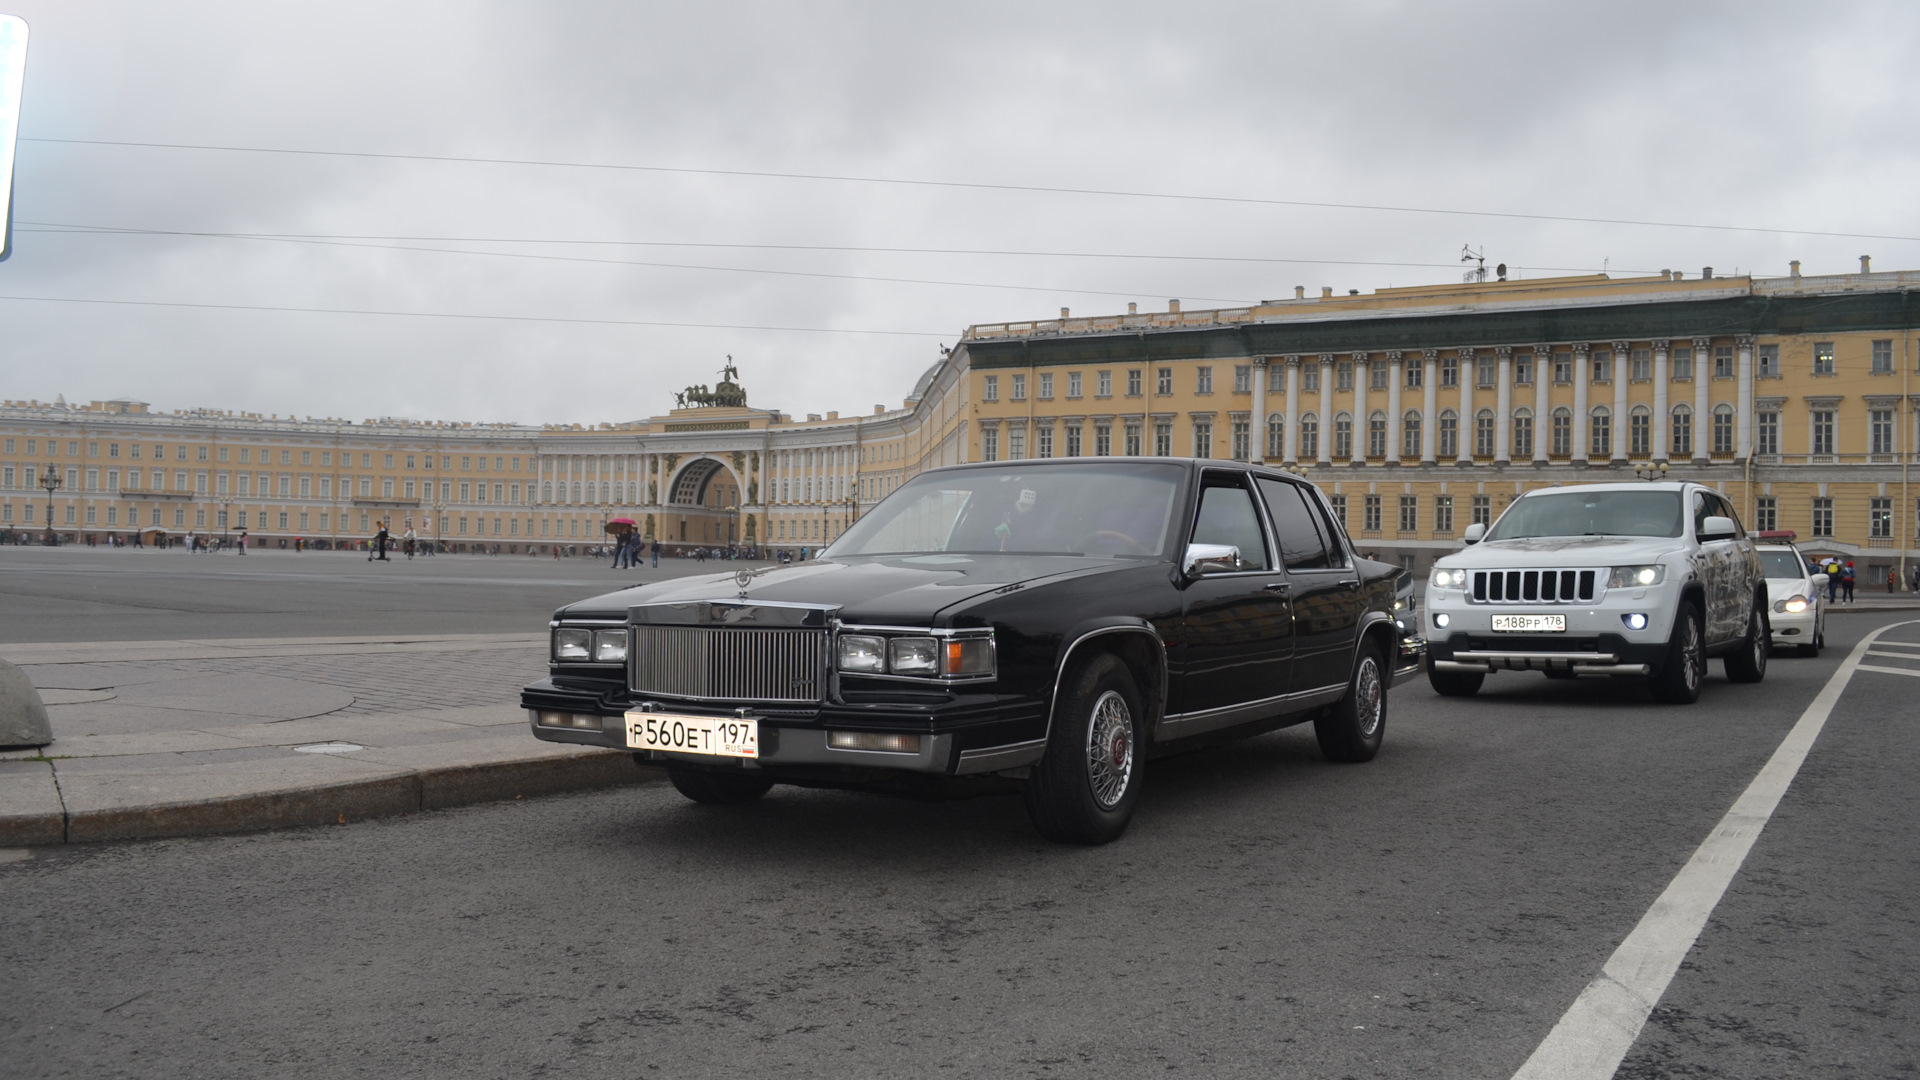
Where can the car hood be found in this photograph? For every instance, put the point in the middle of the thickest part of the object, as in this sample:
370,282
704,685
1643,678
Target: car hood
1779,588
904,590
1563,551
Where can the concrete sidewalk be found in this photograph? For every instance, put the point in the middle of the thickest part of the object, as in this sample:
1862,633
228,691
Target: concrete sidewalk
179,738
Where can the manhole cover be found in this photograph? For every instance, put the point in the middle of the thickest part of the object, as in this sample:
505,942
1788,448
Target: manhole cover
329,748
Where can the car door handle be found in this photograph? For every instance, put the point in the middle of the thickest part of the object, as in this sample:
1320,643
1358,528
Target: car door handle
1278,586
1350,584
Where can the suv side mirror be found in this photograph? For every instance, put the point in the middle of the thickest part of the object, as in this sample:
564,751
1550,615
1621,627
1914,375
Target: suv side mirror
1716,527
1474,532
1204,559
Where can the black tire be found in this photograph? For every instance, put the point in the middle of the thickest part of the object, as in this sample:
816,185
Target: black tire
1685,667
716,788
1748,663
1813,647
1352,729
1084,788
1456,683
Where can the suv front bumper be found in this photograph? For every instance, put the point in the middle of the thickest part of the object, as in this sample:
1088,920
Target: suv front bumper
1597,640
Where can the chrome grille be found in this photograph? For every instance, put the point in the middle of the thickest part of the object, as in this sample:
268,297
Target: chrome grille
729,664
1533,586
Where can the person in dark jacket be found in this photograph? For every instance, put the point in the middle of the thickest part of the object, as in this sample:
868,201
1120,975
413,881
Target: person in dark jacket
380,540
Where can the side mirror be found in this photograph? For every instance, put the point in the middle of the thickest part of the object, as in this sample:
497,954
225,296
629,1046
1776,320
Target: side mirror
1819,581
1716,527
1474,532
1204,559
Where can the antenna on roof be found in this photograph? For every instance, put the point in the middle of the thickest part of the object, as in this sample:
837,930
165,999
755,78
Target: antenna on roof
1478,258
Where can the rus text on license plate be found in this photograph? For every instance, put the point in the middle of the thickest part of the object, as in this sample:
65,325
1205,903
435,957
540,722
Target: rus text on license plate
720,736
1529,624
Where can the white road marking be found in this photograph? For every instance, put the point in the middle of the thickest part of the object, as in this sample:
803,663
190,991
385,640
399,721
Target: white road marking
1890,670
1594,1036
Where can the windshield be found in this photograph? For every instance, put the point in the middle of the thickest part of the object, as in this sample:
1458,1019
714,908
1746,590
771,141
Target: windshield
1779,564
1592,513
1025,508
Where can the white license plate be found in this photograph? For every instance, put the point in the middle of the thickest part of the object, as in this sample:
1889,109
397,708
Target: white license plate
1529,624
719,736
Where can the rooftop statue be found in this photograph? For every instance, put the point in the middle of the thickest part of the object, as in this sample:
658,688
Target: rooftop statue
729,393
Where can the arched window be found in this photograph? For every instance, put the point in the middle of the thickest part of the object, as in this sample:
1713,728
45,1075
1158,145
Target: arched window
1309,437
1723,428
1639,431
1343,436
1483,433
1410,434
1449,434
1601,443
1562,445
1276,436
1377,433
1682,431
546,492
1523,434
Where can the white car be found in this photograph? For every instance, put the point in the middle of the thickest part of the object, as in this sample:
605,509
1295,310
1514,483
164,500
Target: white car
1796,605
1646,579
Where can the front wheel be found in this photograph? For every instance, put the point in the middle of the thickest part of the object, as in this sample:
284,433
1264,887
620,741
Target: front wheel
1678,682
1085,786
1748,663
1352,729
716,788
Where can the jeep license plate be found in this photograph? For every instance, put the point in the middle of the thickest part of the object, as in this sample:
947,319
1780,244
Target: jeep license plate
1529,624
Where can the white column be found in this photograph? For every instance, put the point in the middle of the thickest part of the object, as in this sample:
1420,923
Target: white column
1702,383
1542,423
1621,371
1463,433
1359,409
1257,425
1662,422
1292,434
1325,457
1429,405
1743,418
1396,374
1503,406
1582,377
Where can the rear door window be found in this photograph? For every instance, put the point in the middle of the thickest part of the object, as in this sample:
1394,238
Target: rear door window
1303,544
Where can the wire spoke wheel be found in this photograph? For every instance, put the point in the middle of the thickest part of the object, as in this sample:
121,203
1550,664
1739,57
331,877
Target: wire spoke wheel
1110,750
1369,697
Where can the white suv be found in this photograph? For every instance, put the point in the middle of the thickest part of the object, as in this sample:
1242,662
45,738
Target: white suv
1645,579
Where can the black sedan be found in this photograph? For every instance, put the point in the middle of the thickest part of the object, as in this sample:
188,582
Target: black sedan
1055,622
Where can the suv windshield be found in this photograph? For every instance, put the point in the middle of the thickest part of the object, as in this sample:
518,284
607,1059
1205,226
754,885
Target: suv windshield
1592,513
1024,509
1779,564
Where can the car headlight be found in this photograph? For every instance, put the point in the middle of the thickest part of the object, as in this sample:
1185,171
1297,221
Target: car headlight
572,644
1633,577
860,652
610,646
1795,604
913,656
1448,579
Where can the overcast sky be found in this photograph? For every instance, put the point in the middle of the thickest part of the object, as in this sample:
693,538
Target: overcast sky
1744,114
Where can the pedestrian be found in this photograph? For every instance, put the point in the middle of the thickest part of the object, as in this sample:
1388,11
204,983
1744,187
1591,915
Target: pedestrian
656,559
409,539
1832,569
1893,580
1916,577
1846,580
380,540
242,549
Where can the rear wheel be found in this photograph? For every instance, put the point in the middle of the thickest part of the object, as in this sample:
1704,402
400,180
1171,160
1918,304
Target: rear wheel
716,788
1748,663
1678,682
1456,683
1817,642
1085,786
1353,728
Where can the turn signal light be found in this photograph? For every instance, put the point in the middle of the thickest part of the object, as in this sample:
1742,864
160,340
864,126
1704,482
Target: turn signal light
871,740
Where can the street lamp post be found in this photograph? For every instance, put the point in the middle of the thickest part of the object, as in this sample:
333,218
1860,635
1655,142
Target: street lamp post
50,479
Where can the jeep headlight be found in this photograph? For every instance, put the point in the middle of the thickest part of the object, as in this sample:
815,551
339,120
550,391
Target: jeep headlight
1634,577
1448,579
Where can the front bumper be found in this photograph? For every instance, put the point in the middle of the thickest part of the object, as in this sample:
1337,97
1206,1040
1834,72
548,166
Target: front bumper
1794,628
1597,640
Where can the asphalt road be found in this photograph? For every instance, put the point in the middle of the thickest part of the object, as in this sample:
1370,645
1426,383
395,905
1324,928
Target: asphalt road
127,594
1431,913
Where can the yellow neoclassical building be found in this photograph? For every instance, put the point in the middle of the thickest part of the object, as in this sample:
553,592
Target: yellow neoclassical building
1418,410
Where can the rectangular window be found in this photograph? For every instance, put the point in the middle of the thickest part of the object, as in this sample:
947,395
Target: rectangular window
1276,378
1243,378
1377,375
1073,440
1642,361
1823,358
1310,378
1416,375
1683,364
1482,510
386,487
1601,444
1103,384
1343,437
1203,379
1449,371
1880,431
1043,441
1483,436
1242,440
1016,443
1377,435
1133,440
1603,366
1682,433
389,458
1822,441
1163,440
1823,517
1880,519
990,444
1883,357
1339,509
991,390
1203,438
1133,382
1073,384
1102,440
1019,392
1769,362
1562,369
1409,513
1523,370
1723,362
1163,382
1370,513
1523,438
1343,376
405,492
1309,438
1766,513
306,457
1449,436
1443,515
1484,371
1766,433
1046,386
1723,430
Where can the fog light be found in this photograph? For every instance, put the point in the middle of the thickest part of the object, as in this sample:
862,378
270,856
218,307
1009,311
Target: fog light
1441,619
1635,621
869,740
568,720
